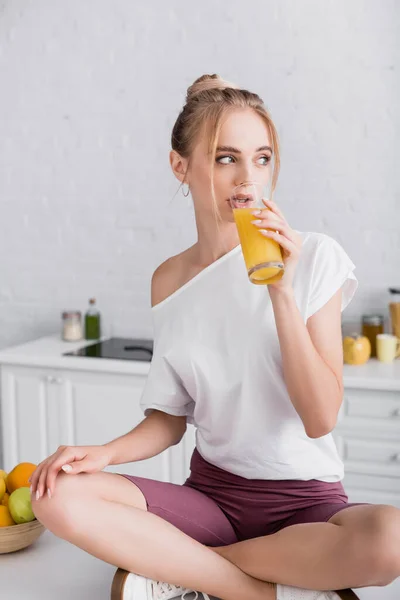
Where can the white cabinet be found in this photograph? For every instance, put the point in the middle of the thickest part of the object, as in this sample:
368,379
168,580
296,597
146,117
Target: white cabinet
43,408
28,400
368,440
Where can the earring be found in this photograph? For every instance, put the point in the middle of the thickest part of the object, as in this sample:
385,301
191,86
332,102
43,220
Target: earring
188,190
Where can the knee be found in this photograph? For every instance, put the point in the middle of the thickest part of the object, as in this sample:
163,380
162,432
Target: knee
56,513
383,544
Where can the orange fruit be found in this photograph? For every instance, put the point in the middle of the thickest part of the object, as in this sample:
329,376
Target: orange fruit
5,517
18,477
4,502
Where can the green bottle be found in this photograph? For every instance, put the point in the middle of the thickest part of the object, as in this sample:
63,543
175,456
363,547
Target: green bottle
92,321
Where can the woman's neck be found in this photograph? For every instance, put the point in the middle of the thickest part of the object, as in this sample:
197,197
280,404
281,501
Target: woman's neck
212,243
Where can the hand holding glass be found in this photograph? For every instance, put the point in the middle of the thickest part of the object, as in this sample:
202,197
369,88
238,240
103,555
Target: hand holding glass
262,255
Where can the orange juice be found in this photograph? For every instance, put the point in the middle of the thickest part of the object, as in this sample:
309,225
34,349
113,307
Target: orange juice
263,256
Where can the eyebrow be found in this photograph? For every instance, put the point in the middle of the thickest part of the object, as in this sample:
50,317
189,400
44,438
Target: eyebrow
231,149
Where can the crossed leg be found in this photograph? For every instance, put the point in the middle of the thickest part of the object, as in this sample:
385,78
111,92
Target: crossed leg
358,547
106,515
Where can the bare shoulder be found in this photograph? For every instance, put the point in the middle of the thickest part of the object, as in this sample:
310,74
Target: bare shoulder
168,277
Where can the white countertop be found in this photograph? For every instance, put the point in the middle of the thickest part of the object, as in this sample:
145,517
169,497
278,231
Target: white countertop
53,568
374,375
47,352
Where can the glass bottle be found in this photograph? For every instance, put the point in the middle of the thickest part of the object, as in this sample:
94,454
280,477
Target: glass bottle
92,321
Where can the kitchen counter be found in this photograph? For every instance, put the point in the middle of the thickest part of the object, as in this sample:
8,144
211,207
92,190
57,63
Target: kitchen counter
48,352
374,375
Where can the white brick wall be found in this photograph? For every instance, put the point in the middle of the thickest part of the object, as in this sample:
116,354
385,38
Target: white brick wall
89,93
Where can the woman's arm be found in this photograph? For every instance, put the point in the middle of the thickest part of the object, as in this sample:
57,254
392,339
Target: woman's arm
312,354
155,433
312,357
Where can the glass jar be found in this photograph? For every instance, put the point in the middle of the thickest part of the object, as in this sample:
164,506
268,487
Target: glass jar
72,326
371,326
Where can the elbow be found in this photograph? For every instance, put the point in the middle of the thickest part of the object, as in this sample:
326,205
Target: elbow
317,430
323,421
180,432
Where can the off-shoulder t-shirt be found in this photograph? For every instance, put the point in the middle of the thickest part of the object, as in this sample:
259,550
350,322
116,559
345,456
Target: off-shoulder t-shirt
217,361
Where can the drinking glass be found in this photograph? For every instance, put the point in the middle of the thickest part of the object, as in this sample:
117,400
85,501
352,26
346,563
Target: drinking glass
262,255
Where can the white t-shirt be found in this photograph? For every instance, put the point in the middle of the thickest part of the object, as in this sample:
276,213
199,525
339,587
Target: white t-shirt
217,360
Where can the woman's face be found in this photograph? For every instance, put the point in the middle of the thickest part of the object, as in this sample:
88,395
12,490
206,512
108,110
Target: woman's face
244,152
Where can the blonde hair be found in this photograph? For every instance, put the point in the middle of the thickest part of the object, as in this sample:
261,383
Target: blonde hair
208,100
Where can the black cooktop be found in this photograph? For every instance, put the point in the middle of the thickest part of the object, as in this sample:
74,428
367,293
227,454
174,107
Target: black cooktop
117,348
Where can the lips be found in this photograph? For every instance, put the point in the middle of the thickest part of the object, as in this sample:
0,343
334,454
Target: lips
240,201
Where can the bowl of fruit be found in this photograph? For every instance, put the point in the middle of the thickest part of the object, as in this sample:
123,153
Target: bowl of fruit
19,527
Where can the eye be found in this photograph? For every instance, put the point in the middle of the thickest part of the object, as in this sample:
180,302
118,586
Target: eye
226,160
221,158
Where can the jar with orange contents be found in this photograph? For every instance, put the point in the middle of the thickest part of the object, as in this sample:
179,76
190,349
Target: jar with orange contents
371,326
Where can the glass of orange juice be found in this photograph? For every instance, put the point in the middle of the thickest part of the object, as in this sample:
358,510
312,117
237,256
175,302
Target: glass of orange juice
263,256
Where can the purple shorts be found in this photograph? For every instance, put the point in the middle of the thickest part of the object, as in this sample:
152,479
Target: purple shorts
218,508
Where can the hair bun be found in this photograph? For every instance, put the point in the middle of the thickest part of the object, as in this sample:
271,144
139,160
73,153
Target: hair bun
208,82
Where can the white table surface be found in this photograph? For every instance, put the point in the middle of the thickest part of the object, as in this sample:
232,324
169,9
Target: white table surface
53,569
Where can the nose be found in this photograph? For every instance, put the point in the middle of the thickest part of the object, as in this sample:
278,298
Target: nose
245,174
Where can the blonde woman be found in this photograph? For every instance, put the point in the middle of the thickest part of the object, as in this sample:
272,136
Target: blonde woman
258,371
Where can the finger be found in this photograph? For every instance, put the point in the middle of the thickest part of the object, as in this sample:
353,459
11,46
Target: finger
70,461
68,465
79,466
273,223
52,473
32,475
266,218
34,478
282,241
274,208
286,231
63,462
41,484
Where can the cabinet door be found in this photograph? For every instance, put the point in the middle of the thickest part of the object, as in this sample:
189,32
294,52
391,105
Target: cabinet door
29,407
97,408
368,441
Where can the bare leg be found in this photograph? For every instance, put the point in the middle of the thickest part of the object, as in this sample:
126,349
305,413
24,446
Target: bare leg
359,547
140,542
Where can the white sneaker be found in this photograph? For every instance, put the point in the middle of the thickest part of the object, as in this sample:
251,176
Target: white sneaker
129,586
287,592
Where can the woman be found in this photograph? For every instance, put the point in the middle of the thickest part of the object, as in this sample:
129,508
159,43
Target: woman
258,370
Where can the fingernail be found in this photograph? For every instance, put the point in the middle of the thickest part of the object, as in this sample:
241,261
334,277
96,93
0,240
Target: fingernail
257,222
256,212
66,468
30,489
48,492
37,494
